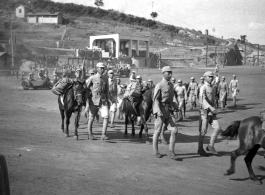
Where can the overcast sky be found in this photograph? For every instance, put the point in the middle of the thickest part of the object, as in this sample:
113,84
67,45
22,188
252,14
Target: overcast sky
228,18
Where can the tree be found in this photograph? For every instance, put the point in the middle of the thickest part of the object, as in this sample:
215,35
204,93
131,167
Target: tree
154,15
99,3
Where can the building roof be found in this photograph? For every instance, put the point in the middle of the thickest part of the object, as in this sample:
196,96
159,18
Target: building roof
2,53
43,14
23,6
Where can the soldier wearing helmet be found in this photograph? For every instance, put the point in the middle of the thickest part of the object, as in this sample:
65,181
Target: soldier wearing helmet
173,81
164,104
192,92
120,93
98,100
234,87
181,94
223,92
208,114
133,92
112,96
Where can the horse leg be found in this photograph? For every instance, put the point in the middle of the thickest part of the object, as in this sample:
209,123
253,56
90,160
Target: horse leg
67,120
133,129
77,118
144,125
234,155
62,117
248,160
126,124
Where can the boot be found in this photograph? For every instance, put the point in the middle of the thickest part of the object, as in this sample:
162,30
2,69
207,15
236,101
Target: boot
104,129
211,149
201,151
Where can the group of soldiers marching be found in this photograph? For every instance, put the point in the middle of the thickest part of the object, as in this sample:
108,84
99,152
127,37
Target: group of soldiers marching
106,95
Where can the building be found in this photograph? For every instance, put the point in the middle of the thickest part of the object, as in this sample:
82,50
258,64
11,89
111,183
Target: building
22,11
45,17
3,60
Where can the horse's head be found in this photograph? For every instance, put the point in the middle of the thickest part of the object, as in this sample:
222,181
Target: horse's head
79,93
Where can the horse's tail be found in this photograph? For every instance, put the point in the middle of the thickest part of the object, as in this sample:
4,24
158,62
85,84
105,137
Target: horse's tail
232,130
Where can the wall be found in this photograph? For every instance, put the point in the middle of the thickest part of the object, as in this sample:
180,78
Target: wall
53,20
32,19
23,13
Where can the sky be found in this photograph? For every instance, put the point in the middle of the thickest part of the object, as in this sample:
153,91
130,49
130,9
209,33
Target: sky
227,18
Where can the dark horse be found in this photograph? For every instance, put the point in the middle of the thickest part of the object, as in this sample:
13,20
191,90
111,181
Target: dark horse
251,138
73,100
145,108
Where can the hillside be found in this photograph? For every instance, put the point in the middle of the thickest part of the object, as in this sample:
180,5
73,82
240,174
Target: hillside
84,21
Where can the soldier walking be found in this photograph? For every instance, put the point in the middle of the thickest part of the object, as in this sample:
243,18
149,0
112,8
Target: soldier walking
112,97
181,98
234,87
223,92
99,100
163,108
207,115
120,93
192,91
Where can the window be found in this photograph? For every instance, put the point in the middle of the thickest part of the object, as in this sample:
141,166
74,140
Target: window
20,11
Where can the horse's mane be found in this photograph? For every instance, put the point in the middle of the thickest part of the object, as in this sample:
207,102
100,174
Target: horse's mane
148,93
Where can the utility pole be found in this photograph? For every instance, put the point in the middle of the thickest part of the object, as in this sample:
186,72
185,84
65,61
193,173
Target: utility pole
12,43
206,32
215,55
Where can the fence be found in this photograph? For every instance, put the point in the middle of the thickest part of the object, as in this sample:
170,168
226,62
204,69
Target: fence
7,73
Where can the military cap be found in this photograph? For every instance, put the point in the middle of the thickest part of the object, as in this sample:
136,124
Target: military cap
91,71
166,69
179,81
100,65
173,79
118,78
223,77
138,77
208,74
78,70
150,80
110,72
202,78
234,75
133,71
144,81
192,78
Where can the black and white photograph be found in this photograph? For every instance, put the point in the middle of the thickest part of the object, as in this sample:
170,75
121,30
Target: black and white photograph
132,97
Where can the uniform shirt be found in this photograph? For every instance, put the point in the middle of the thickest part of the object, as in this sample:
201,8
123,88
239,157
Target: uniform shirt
207,96
132,77
181,92
120,91
112,90
193,87
223,87
135,88
163,93
233,84
98,84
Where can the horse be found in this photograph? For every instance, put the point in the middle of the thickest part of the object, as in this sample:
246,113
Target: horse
251,138
73,100
145,108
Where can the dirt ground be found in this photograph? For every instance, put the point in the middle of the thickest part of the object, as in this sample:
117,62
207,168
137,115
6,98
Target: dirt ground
42,161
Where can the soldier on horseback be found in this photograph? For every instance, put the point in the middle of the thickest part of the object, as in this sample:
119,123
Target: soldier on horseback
134,92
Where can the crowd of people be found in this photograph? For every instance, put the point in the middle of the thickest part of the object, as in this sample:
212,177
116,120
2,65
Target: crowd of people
169,101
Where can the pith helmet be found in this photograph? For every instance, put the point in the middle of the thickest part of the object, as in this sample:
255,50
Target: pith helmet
100,65
208,74
166,69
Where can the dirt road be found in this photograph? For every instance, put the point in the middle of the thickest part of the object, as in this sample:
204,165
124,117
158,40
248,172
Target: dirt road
42,161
